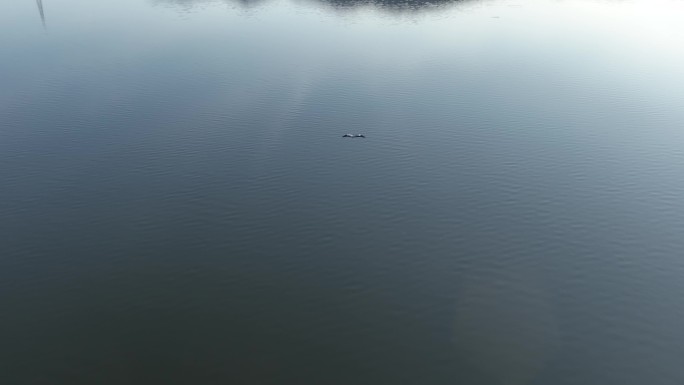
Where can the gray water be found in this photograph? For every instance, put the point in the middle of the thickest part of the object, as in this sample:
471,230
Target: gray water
178,205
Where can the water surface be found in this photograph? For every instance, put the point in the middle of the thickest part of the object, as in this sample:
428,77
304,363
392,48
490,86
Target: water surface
178,205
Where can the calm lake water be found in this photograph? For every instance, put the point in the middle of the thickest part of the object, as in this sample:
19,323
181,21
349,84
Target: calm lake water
178,205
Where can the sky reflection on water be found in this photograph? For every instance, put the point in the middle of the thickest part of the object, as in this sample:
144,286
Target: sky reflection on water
179,207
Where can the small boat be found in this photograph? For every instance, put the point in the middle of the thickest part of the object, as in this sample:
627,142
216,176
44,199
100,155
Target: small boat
353,136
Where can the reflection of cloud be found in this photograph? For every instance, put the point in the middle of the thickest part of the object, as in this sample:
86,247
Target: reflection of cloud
398,5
